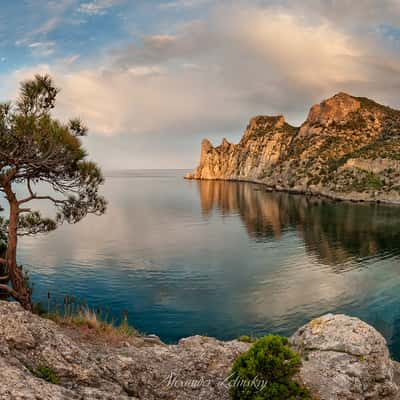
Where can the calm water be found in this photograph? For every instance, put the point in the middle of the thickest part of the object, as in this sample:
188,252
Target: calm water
224,259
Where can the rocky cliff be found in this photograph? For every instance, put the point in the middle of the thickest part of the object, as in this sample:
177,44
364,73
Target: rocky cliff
348,148
343,359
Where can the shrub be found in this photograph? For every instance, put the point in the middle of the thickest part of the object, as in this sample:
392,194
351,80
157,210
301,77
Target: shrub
246,339
47,374
266,372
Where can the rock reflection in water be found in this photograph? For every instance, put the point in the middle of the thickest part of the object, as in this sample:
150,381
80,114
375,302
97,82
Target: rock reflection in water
339,234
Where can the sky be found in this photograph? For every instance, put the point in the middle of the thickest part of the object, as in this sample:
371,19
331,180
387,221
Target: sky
152,78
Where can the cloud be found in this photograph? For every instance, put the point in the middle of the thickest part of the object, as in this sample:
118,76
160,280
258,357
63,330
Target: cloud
42,49
51,15
211,76
71,59
368,13
179,4
97,7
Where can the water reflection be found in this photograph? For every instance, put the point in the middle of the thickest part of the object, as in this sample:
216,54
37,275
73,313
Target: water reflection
340,234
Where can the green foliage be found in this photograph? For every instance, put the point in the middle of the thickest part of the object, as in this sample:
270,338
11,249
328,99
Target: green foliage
267,126
372,181
246,339
359,180
266,372
47,374
355,122
37,148
336,163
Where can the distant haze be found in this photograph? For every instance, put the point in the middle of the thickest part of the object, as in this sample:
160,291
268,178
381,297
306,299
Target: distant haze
151,79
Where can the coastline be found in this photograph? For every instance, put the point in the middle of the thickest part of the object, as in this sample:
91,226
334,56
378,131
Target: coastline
353,197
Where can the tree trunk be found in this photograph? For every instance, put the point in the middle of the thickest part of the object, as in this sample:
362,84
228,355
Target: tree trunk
21,292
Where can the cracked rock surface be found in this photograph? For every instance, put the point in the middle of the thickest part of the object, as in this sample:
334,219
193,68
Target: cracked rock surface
343,358
94,368
346,359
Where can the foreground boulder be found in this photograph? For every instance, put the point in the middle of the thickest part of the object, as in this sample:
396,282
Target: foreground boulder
343,359
346,359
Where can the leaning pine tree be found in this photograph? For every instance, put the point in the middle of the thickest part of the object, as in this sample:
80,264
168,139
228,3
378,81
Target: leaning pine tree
37,148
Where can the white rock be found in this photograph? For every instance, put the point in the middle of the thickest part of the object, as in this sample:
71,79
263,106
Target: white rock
346,359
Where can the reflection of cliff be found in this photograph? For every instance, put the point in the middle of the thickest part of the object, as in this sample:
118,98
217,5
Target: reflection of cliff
334,232
261,213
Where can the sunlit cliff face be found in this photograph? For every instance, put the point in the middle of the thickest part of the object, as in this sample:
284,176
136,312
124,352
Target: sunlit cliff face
336,232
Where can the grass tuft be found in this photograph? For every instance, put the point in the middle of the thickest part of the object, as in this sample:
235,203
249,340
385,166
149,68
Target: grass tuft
75,313
46,373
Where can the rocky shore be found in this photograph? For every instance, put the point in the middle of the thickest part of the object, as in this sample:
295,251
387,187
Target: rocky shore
348,148
343,358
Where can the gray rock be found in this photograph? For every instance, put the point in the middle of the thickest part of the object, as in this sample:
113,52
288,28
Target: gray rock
346,359
144,368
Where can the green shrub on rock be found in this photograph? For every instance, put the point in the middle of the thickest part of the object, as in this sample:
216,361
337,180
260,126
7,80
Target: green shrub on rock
46,373
266,372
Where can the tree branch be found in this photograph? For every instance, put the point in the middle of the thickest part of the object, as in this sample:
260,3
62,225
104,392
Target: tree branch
28,183
24,210
35,197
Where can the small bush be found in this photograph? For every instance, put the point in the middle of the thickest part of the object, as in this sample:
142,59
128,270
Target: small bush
47,374
266,372
246,339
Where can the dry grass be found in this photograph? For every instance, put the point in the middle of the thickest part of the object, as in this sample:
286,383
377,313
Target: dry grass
91,321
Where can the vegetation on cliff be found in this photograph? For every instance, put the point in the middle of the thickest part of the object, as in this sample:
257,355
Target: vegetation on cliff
266,372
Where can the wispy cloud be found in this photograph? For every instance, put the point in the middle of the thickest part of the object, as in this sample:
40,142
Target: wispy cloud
211,74
70,60
183,4
98,7
144,70
51,16
42,49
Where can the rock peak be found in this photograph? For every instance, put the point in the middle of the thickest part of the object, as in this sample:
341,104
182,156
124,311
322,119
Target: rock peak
225,143
267,121
334,109
342,95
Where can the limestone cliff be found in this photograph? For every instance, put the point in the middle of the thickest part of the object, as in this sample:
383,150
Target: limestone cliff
348,148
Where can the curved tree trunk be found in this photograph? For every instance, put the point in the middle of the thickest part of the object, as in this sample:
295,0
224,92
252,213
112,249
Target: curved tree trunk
20,290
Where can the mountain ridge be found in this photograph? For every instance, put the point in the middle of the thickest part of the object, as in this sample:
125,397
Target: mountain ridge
348,148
